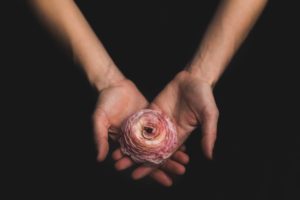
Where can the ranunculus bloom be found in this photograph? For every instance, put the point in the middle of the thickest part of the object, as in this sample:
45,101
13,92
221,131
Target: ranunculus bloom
148,137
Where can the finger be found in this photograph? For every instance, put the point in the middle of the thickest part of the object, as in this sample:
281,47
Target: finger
117,154
141,172
161,177
123,163
101,135
181,157
173,167
209,131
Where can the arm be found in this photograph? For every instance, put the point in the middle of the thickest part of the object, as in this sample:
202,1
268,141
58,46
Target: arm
230,26
66,21
228,29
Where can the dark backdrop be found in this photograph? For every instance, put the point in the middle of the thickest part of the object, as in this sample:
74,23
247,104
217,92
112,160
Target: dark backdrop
47,103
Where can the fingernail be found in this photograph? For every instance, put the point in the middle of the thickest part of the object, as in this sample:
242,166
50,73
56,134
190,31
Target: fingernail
100,158
135,176
169,184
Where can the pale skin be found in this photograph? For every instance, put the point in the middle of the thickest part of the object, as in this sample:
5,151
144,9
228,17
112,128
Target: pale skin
188,99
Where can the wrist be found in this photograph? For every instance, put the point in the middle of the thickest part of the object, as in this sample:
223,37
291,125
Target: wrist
201,74
197,73
185,79
104,78
208,65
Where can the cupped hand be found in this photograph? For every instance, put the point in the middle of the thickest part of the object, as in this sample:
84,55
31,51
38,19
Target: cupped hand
189,101
115,103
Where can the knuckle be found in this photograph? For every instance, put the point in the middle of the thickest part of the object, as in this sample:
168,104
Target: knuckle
181,170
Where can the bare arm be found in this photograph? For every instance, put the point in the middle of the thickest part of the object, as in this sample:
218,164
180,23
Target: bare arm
65,20
228,29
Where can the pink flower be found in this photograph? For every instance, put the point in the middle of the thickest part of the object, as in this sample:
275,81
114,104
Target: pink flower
148,137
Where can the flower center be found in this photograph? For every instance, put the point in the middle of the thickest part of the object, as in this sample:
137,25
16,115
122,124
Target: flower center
148,132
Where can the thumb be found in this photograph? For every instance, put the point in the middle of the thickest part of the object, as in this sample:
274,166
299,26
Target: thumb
101,134
209,132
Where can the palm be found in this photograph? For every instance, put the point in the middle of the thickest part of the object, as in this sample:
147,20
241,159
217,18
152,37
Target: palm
114,105
189,101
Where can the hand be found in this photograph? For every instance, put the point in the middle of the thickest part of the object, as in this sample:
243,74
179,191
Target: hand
188,100
116,102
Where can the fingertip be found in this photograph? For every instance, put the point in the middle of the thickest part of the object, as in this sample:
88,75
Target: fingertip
209,131
103,151
209,155
181,170
168,183
141,172
208,147
162,178
136,175
101,157
187,159
117,166
123,164
174,167
117,154
180,157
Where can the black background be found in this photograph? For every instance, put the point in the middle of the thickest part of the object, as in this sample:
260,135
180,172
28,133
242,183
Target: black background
47,103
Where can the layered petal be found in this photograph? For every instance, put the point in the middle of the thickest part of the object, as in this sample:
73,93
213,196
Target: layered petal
148,137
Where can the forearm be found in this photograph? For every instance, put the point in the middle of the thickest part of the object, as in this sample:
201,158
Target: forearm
64,19
228,29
